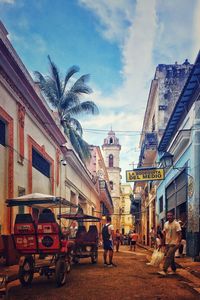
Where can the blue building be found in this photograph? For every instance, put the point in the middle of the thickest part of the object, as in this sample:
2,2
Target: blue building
179,152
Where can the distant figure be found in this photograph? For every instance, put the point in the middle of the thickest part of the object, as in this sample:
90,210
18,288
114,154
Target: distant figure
152,235
73,229
182,250
159,237
108,237
134,238
117,239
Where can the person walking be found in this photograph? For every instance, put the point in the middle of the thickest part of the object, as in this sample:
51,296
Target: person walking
117,239
108,237
134,238
159,236
181,252
172,236
152,235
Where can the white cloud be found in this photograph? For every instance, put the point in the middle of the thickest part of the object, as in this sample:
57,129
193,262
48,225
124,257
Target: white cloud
7,1
148,33
134,27
196,47
113,16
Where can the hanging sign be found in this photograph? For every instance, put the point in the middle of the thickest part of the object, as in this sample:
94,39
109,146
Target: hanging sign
145,174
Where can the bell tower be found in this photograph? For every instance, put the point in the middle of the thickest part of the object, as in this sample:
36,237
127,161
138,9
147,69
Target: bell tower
111,152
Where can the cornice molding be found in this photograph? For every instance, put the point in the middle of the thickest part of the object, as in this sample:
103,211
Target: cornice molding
24,87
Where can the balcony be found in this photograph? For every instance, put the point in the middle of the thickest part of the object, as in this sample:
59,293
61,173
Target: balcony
149,148
105,196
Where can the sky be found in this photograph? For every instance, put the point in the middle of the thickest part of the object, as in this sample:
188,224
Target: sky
118,42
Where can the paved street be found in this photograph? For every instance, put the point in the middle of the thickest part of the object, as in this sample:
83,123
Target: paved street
131,279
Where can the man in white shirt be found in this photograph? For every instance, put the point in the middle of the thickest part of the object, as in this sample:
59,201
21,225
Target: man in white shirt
172,236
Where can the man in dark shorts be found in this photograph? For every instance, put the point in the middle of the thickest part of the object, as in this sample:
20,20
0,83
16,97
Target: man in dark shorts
108,236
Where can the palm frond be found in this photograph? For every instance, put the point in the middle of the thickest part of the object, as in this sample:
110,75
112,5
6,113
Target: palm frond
85,148
70,72
75,142
55,76
46,88
84,107
81,89
74,123
83,79
69,100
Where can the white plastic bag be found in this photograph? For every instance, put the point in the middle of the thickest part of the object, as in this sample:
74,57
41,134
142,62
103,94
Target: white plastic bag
156,258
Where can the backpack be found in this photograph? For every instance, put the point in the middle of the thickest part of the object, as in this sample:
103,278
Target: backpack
105,233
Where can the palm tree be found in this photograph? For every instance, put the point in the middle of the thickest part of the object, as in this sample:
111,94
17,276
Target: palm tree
67,102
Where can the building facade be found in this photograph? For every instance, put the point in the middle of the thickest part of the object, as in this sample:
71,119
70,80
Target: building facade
111,153
126,219
33,146
179,192
164,92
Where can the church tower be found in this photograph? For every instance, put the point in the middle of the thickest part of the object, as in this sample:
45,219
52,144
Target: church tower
111,152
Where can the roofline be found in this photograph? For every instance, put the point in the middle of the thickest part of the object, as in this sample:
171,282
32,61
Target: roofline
177,121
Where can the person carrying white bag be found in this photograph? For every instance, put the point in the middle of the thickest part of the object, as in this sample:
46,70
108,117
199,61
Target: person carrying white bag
156,258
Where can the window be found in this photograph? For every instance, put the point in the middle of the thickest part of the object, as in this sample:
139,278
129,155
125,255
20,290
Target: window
110,161
153,124
111,185
161,204
40,163
2,133
111,140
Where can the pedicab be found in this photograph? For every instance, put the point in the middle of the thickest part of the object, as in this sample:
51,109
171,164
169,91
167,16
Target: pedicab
40,243
85,242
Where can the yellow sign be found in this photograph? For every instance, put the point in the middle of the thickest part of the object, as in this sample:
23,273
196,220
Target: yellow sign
145,174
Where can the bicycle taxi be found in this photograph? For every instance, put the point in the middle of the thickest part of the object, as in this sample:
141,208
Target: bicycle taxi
85,243
42,247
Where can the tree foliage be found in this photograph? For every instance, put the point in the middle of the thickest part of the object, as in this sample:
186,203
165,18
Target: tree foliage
66,99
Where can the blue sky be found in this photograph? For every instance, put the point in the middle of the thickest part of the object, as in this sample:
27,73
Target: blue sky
118,42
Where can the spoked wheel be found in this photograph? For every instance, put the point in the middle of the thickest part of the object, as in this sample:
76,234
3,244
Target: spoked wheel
61,272
75,260
94,258
68,262
26,272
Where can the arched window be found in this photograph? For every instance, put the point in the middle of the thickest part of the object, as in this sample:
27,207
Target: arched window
110,161
111,140
111,185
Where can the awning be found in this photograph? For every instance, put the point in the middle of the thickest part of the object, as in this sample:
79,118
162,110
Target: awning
79,217
39,200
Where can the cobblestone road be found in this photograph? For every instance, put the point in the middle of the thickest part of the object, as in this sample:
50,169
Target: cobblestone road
131,279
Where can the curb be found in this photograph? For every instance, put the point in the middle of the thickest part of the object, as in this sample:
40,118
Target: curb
193,272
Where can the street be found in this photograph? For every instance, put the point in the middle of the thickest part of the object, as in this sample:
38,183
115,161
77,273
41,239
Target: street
131,279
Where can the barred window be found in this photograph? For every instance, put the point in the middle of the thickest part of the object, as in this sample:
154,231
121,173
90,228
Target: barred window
40,163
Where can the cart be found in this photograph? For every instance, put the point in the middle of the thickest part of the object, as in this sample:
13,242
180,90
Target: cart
42,247
86,242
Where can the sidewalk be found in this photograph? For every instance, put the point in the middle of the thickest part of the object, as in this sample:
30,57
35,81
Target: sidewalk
183,262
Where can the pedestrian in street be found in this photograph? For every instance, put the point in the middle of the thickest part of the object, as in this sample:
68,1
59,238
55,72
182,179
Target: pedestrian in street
152,235
108,237
117,239
172,236
159,237
134,238
181,252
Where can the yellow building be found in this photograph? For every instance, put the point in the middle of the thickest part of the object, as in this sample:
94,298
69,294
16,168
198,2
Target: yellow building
126,219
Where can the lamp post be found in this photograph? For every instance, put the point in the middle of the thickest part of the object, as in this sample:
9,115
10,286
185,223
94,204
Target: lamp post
166,160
